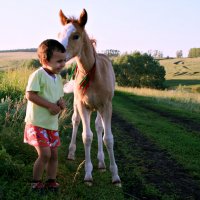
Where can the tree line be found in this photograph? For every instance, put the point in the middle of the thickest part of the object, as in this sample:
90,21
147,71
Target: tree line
20,50
194,52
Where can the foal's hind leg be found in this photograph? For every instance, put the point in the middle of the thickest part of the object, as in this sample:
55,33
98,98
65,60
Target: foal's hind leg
75,122
99,130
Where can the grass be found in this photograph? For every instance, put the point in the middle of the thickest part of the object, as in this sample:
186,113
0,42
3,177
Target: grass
176,98
16,171
134,183
181,144
182,73
182,68
13,82
17,158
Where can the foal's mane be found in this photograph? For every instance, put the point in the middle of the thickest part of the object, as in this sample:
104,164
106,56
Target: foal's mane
72,19
94,43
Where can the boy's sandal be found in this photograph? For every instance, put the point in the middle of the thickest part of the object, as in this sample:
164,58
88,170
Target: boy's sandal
37,186
52,185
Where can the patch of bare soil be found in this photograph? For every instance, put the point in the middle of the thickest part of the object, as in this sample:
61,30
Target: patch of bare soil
143,163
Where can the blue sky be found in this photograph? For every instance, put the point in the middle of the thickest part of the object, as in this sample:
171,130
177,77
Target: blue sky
126,25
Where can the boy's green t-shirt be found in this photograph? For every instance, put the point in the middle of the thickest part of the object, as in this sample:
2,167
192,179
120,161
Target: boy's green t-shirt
50,89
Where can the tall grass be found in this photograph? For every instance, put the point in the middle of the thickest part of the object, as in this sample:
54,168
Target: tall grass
13,82
12,102
177,98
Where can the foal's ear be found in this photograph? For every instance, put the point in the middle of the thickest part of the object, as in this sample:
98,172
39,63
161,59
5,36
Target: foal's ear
83,18
63,18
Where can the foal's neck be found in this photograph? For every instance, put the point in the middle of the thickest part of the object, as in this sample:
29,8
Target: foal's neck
86,59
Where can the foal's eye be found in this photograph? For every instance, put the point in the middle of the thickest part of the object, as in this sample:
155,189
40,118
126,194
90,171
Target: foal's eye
75,37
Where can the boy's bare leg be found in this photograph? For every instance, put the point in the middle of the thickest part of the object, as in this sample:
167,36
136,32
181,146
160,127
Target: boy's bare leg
52,164
44,155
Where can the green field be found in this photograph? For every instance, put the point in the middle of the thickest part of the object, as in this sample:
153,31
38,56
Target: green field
158,145
183,72
156,133
182,68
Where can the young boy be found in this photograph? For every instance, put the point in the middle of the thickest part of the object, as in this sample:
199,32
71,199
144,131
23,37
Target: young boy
44,93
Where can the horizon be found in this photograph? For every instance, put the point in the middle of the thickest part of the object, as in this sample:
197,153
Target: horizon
102,51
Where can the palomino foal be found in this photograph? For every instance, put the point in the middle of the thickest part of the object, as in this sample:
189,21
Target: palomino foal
93,91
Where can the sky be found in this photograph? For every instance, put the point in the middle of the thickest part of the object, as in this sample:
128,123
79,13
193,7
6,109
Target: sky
124,25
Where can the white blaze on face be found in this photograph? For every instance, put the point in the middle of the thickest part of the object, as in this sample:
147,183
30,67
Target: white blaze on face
63,36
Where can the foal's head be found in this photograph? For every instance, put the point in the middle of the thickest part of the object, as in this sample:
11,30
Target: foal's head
72,33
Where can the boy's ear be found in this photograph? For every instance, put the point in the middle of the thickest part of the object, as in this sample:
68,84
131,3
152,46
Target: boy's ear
45,61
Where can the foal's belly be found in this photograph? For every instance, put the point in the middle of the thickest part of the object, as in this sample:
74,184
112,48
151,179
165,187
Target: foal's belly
94,102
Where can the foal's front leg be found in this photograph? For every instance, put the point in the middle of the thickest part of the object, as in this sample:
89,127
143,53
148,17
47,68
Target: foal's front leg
75,123
87,137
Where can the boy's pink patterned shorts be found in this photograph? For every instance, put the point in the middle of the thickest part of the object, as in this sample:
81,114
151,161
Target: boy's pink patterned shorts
37,136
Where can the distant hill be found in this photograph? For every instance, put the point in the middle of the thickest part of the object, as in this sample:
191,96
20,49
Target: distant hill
19,50
182,68
13,59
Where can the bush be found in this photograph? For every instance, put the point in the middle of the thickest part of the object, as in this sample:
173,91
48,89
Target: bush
8,167
139,70
32,63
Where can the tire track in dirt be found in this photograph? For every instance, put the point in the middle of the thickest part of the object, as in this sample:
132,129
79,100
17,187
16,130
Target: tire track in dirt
158,168
185,122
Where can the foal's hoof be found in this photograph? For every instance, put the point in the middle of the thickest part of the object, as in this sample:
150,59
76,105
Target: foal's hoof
70,157
102,169
88,183
117,183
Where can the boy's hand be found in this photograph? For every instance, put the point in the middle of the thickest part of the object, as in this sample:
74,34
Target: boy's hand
54,109
61,103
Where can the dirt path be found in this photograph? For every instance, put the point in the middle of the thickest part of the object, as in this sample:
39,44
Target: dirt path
185,122
142,157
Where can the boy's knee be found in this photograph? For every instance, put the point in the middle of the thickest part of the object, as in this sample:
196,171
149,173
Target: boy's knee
45,156
54,154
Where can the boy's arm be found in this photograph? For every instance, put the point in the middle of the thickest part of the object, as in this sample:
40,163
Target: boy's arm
61,103
35,98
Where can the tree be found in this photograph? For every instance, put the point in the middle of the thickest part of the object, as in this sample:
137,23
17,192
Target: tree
138,70
112,52
179,54
155,53
194,52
